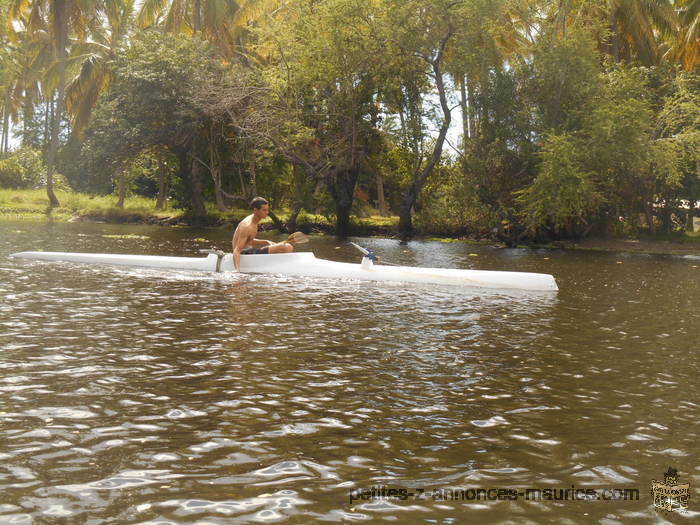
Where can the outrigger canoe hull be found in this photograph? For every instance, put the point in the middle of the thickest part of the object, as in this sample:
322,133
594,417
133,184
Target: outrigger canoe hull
305,264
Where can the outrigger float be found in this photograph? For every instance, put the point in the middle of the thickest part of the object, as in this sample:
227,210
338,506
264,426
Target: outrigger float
305,264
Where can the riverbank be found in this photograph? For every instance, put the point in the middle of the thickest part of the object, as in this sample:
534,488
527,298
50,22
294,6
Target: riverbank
80,207
32,205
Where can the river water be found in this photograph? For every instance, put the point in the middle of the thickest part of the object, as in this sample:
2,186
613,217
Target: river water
150,396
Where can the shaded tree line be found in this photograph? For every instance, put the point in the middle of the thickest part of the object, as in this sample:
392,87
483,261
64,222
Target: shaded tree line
515,119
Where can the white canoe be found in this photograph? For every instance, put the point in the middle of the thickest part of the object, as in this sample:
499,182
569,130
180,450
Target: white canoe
307,265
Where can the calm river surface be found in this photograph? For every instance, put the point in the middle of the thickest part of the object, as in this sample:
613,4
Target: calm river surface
152,396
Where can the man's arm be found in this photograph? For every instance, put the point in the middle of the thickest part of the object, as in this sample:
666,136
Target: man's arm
238,245
263,242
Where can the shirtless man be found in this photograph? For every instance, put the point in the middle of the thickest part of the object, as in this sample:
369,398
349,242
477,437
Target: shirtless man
244,241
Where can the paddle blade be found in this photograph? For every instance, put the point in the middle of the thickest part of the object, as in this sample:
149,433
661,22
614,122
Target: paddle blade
298,238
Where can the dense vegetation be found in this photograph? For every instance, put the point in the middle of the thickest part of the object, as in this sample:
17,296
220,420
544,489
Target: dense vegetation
508,118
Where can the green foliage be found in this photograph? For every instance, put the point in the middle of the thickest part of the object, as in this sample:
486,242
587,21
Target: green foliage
150,108
679,127
449,205
143,172
618,126
24,168
565,79
500,158
617,159
563,196
150,103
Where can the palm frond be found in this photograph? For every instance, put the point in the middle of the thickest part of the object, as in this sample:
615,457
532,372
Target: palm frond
84,89
151,12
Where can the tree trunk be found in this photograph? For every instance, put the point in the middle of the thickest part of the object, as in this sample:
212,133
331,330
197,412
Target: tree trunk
342,188
562,14
2,136
121,187
215,169
473,120
464,106
244,189
649,213
615,42
219,197
194,182
383,211
666,224
218,190
342,225
406,218
60,23
197,19
292,222
299,179
278,223
410,195
163,185
27,116
48,112
318,188
690,216
5,143
253,181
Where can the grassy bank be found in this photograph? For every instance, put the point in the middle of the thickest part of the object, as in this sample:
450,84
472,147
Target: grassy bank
34,205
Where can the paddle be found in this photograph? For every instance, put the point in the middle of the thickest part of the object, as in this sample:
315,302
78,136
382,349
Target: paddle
298,238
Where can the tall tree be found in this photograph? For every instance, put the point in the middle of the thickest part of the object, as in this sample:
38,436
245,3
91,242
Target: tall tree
149,107
319,94
65,17
420,35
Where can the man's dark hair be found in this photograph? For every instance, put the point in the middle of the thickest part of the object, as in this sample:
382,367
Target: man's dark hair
257,203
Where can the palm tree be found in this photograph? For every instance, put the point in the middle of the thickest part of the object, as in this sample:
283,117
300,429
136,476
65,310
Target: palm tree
62,17
93,61
6,88
633,26
684,44
32,54
23,61
224,23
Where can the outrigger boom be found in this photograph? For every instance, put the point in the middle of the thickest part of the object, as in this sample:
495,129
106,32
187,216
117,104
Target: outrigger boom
305,264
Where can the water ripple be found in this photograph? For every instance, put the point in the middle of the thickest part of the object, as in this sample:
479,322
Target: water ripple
150,396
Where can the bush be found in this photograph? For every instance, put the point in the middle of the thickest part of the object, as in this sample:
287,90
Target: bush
24,169
11,174
563,196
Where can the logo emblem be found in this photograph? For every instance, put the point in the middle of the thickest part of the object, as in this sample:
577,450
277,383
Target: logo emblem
669,494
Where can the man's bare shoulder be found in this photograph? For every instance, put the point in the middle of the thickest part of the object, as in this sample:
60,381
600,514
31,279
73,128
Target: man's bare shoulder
245,225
